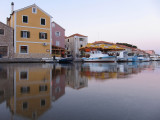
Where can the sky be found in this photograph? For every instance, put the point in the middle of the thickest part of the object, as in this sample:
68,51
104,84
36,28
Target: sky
135,22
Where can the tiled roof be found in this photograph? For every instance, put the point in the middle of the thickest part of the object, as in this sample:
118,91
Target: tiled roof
76,35
103,42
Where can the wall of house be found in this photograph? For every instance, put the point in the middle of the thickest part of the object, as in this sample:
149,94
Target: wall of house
7,39
61,38
36,49
74,44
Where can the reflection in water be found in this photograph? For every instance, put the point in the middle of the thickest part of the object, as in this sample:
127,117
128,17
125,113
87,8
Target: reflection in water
29,89
104,71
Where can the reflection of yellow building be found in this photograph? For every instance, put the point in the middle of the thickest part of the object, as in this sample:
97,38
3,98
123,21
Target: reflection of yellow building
32,92
32,32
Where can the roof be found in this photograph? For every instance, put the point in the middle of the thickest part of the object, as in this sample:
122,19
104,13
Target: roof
79,35
34,5
5,25
103,42
58,25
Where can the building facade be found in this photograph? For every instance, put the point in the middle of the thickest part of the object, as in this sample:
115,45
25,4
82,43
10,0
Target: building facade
6,41
73,43
32,32
58,40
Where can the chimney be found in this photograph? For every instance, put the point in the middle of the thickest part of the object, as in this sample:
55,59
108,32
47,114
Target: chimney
12,7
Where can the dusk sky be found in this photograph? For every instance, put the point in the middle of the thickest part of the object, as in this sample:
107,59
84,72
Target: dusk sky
132,21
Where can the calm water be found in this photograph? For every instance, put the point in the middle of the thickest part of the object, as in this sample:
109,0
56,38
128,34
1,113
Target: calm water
89,91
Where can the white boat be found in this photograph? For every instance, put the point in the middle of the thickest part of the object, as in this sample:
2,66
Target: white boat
122,56
154,57
132,57
98,56
143,58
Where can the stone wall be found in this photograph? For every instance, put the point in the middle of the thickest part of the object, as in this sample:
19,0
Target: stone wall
7,40
32,55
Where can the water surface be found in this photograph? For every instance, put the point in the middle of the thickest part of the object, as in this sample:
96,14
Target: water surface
88,91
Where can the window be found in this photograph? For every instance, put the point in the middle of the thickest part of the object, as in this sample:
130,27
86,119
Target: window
57,34
25,105
43,102
80,39
2,93
23,75
68,40
25,90
3,73
25,34
42,88
58,90
3,51
34,10
57,43
53,25
57,80
42,35
23,49
1,31
43,21
25,19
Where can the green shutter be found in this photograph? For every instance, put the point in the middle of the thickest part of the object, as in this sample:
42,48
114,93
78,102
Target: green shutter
39,35
21,33
45,35
28,34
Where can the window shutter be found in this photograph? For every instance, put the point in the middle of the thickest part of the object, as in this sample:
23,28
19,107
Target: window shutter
46,35
28,89
39,35
28,34
21,33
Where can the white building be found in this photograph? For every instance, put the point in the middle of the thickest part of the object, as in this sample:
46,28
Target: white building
73,43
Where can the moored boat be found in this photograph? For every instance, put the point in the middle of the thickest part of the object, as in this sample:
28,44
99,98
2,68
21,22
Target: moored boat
98,56
66,60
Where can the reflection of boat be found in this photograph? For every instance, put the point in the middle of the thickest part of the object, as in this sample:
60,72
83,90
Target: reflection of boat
98,56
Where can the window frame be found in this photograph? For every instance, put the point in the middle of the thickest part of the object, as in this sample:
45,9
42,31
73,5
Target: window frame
27,35
58,35
41,103
23,106
41,21
45,36
27,19
3,32
35,10
20,49
20,74
81,39
57,41
25,88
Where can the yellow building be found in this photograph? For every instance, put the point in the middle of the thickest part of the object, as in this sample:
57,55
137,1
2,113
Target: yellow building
32,32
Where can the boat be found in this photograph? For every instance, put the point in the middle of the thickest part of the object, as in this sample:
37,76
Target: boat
122,56
98,56
154,57
48,60
143,58
132,57
66,60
